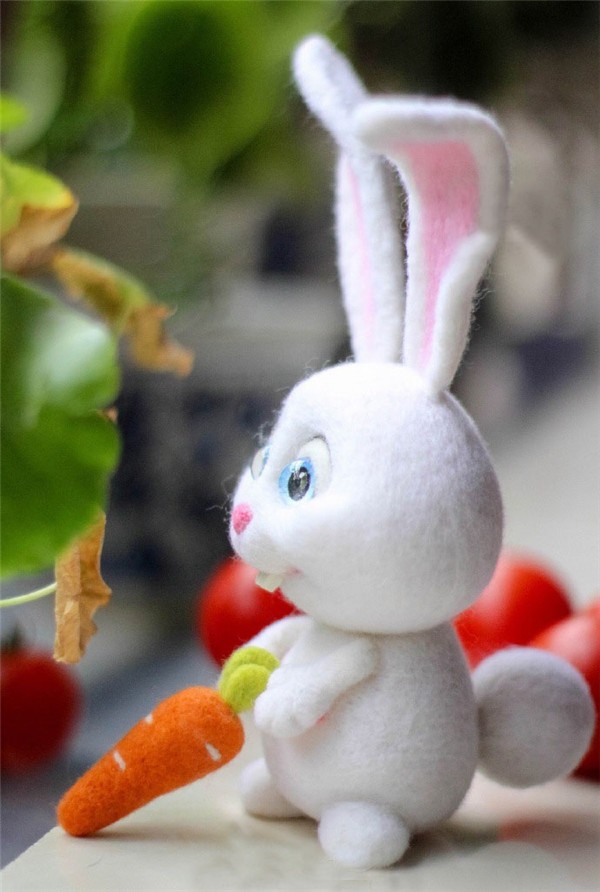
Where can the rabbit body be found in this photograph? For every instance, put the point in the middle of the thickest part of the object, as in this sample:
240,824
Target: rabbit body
373,702
405,737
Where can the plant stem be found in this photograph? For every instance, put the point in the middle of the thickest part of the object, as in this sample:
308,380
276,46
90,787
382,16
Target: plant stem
30,596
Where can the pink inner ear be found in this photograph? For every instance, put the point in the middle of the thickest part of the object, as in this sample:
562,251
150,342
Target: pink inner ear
444,204
366,273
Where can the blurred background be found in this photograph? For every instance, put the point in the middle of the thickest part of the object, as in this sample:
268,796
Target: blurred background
199,171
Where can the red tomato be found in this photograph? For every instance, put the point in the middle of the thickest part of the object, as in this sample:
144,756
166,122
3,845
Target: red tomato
40,701
231,609
577,640
593,609
521,599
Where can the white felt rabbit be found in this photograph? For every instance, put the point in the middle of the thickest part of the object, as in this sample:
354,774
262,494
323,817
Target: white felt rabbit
376,508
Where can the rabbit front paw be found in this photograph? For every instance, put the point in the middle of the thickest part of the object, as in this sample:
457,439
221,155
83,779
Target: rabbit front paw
292,703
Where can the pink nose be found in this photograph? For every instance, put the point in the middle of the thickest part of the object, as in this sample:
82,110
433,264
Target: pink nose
241,517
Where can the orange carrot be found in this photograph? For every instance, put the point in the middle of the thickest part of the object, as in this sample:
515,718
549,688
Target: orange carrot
185,737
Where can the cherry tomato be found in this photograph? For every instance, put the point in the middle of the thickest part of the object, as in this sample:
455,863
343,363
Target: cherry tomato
231,609
577,640
521,599
40,701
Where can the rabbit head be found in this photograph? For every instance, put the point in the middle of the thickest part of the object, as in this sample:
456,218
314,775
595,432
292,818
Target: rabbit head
375,504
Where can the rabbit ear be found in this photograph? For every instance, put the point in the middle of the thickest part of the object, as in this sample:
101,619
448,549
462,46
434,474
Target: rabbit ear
369,247
453,162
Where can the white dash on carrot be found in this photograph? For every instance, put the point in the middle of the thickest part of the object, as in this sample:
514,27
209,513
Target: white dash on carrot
213,752
149,718
119,760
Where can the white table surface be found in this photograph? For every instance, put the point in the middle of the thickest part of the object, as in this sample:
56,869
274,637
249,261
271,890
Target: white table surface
199,838
546,838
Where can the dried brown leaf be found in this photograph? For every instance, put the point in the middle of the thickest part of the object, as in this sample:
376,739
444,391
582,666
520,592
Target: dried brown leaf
93,281
150,345
28,245
80,592
125,305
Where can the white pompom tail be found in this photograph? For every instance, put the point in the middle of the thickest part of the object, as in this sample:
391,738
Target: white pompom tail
536,716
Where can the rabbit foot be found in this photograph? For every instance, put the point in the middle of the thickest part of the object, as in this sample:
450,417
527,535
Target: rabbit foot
362,835
260,795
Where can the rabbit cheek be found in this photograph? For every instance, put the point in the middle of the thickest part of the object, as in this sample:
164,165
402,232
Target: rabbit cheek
251,529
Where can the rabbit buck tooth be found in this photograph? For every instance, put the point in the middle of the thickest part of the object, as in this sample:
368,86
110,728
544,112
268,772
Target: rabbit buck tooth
269,581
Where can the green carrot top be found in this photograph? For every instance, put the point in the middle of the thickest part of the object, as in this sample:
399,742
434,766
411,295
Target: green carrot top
245,675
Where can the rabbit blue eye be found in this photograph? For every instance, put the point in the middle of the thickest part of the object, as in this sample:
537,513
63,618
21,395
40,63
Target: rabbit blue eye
297,480
259,461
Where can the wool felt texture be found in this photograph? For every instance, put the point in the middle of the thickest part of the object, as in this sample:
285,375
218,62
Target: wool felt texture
407,532
260,795
244,676
362,835
184,738
404,737
536,716
377,507
453,161
370,258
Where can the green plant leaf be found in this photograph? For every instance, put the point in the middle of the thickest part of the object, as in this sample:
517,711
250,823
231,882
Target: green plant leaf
12,113
198,78
58,370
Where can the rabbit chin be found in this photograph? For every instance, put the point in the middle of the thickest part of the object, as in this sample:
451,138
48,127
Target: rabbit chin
407,531
366,607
